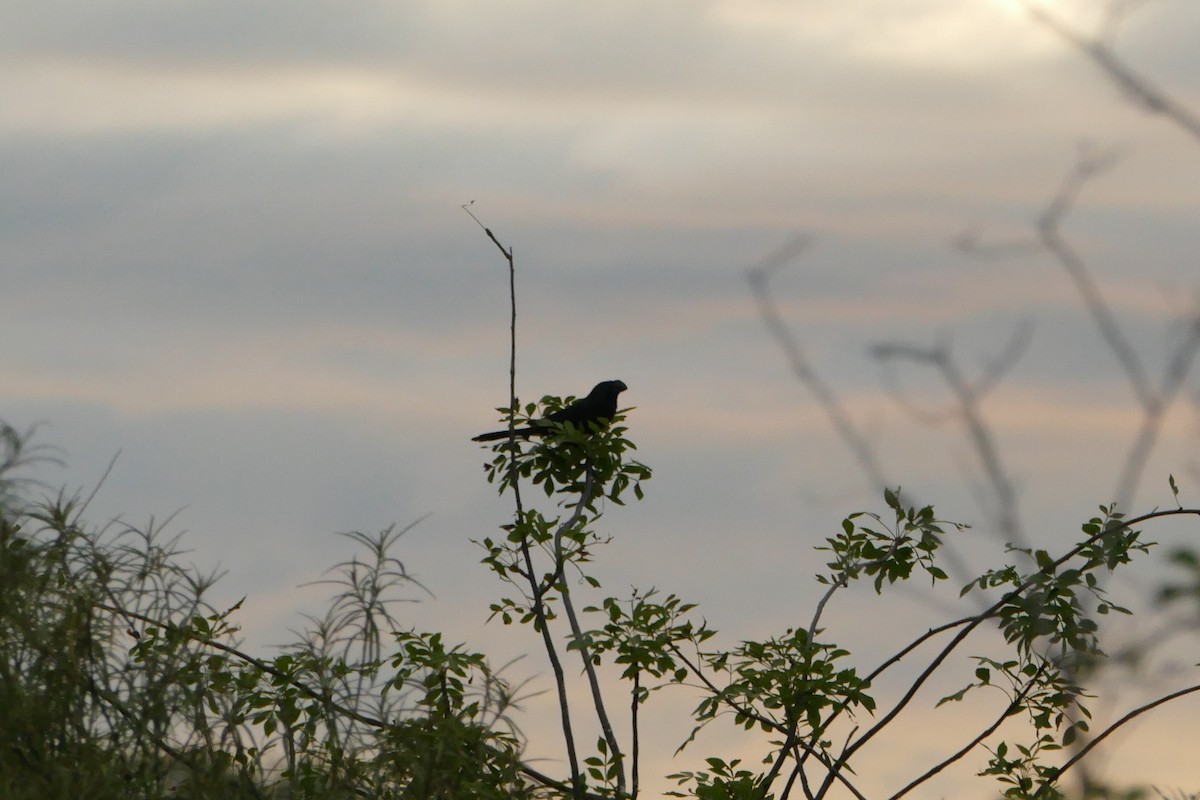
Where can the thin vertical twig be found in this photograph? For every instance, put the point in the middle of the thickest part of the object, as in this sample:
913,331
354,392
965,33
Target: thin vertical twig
538,604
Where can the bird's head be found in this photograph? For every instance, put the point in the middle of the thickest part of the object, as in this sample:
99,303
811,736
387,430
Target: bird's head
609,389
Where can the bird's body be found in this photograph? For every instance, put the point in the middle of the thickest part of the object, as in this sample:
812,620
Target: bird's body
599,406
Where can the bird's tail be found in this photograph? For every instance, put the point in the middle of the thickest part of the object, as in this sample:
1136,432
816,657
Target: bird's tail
496,436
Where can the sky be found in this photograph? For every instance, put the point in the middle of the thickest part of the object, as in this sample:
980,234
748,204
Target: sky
236,267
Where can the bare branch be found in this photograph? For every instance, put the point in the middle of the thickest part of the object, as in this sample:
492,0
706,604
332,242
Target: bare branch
1154,397
1137,712
759,278
967,402
971,745
1135,86
1049,227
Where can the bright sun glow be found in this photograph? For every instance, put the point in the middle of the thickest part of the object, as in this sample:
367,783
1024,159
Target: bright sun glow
946,34
1012,6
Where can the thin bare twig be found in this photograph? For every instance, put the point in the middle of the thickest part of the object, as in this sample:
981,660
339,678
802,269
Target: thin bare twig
1136,87
968,397
971,745
1137,712
759,277
1049,226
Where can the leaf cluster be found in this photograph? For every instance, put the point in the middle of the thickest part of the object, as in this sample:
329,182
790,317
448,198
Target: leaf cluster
565,456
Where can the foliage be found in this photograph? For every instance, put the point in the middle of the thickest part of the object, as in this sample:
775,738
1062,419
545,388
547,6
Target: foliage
120,680
798,686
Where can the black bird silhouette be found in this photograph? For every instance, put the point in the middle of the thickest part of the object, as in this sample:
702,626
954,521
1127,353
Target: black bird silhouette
599,406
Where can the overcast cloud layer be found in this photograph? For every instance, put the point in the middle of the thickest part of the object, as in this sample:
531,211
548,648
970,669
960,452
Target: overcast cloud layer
232,250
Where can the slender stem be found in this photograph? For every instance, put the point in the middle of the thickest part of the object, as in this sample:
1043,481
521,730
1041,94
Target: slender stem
920,640
971,745
560,559
538,604
1137,712
635,746
843,580
989,454
798,771
580,640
